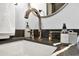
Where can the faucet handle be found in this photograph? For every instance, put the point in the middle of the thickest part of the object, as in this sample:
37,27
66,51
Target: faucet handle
32,34
50,35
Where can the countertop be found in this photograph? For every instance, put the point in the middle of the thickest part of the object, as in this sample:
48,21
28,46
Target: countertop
44,41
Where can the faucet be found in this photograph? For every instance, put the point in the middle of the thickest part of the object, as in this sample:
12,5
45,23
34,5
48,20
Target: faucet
39,18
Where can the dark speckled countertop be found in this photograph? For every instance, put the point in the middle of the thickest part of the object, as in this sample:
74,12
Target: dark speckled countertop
3,41
13,39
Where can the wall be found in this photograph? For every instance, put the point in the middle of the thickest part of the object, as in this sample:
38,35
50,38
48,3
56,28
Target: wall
19,15
68,15
42,6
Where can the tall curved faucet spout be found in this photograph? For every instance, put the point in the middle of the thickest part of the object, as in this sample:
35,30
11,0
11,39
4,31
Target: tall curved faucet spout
39,18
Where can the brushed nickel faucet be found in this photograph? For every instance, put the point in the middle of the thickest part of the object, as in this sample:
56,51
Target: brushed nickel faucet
39,18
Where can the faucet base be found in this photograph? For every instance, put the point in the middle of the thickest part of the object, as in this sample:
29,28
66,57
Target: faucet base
40,40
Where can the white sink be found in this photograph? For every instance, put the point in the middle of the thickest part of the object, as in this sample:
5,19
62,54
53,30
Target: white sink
26,48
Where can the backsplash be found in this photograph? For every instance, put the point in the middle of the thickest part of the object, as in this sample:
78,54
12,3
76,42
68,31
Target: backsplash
45,32
19,33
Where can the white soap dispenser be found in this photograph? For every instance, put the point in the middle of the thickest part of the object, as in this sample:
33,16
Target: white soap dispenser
27,31
64,34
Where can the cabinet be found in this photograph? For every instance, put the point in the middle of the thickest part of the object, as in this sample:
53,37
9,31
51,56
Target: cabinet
7,20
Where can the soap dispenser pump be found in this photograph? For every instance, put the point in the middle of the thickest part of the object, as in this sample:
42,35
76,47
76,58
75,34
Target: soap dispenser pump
64,28
27,31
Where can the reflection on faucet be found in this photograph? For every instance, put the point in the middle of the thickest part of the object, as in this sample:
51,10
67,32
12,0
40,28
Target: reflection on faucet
50,37
39,18
32,35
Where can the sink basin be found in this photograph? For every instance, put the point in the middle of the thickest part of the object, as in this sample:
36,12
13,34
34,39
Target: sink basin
26,48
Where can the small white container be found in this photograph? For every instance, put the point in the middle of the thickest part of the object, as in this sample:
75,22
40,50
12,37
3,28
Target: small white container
73,37
70,37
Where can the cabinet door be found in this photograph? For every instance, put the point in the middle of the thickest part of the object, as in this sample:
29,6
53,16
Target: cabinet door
7,19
